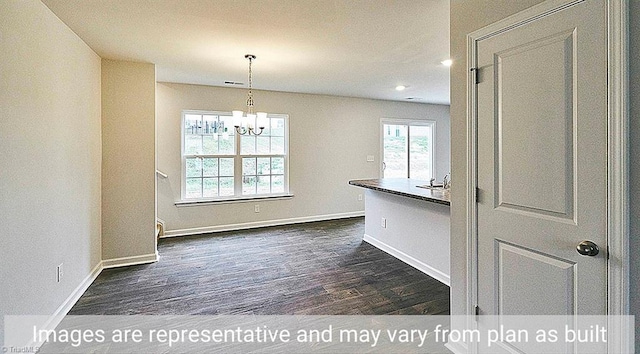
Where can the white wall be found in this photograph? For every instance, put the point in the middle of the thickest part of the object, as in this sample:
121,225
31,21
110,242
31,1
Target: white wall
330,138
50,150
128,162
416,231
467,16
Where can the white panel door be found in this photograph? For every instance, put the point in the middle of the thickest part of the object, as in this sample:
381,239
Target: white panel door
542,168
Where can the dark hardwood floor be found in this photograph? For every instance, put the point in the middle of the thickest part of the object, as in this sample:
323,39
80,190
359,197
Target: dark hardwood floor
321,268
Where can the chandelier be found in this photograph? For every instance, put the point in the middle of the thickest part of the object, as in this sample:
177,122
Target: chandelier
251,123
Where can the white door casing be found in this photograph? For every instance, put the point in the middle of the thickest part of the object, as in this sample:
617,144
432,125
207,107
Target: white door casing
547,143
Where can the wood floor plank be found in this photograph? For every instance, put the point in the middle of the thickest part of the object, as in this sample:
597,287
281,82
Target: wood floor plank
321,268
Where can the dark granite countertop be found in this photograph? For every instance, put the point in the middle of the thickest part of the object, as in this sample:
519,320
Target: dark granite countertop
405,187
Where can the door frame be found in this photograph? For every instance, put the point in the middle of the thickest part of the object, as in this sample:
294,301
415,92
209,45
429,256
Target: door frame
617,157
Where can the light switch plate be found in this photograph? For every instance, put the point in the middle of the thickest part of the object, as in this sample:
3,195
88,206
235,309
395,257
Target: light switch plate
370,158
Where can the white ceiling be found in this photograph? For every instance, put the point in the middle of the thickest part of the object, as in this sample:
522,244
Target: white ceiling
358,48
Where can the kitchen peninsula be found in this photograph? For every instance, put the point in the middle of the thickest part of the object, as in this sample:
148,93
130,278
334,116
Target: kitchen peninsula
409,222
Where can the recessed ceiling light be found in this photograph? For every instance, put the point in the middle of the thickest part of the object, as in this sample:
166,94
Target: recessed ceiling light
400,88
447,62
413,98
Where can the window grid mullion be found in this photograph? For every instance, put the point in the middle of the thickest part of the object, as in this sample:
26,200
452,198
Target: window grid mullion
270,172
207,156
237,167
201,177
408,151
218,178
270,142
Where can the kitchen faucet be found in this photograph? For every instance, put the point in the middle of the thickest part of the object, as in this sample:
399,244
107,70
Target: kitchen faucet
446,181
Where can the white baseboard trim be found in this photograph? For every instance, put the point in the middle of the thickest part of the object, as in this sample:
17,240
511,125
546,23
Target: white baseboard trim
256,224
128,261
419,265
457,348
57,317
54,320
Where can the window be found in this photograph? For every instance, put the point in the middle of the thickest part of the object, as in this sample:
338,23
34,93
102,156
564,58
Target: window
407,149
219,164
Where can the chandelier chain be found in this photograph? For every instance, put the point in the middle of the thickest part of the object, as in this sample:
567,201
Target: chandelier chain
252,123
250,94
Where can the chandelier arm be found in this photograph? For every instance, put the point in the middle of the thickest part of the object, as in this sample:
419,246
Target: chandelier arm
241,130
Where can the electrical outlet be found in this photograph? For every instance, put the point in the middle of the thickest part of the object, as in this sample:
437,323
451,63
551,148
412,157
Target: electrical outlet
383,223
59,272
256,208
360,197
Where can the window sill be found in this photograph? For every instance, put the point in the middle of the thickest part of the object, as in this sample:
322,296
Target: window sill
186,203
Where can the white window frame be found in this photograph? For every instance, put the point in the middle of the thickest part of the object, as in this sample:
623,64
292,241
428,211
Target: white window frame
237,156
409,122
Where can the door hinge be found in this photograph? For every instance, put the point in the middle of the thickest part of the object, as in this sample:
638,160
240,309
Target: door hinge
477,195
477,311
474,72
